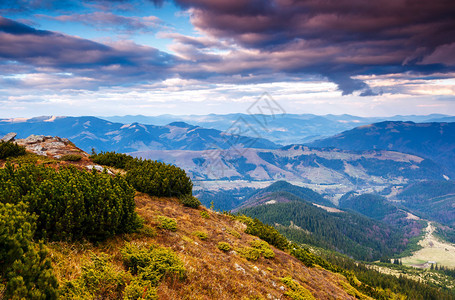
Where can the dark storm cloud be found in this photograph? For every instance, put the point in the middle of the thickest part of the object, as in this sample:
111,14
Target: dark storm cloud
365,37
107,63
246,39
16,28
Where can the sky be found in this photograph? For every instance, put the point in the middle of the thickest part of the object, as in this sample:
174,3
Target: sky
129,57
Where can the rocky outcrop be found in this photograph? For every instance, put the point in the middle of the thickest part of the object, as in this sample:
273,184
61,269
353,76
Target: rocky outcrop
51,146
9,137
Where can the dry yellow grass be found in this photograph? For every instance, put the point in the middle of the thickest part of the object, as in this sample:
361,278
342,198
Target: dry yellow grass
211,273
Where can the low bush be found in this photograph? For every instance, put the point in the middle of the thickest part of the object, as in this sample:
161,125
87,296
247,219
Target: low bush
147,176
140,290
263,231
99,280
112,159
223,246
233,232
249,253
152,263
204,214
10,149
267,233
190,201
264,248
200,234
167,223
296,291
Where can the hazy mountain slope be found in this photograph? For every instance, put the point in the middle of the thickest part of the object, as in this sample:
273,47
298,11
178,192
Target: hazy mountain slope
282,129
91,132
303,164
431,140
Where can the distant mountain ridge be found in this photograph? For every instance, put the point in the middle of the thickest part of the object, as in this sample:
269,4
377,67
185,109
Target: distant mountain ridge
102,135
328,170
282,129
435,141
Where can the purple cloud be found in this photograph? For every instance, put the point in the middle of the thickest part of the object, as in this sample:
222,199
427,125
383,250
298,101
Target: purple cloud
110,21
358,37
109,64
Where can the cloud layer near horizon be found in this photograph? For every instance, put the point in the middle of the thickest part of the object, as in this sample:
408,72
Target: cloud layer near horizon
238,41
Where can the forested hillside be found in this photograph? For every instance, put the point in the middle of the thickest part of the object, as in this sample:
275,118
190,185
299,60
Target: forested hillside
352,234
431,199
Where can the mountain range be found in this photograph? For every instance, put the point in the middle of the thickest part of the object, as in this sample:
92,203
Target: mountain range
219,160
102,135
280,128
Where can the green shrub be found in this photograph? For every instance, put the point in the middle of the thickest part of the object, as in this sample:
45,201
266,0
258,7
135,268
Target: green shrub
296,291
152,263
249,253
223,246
305,256
268,253
71,157
167,223
147,176
159,179
9,149
200,234
204,214
233,232
112,159
24,264
71,204
190,201
140,290
99,280
263,247
263,231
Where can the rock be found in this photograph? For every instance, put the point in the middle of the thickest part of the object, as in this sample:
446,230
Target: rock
98,168
33,139
9,137
56,144
239,268
38,149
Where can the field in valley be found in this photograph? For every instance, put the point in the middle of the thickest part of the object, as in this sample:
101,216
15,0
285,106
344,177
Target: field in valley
433,250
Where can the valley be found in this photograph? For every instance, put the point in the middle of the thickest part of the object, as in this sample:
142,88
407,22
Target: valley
434,251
